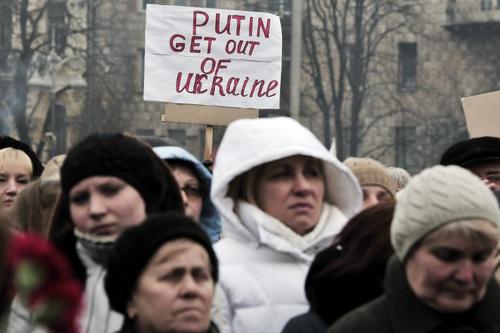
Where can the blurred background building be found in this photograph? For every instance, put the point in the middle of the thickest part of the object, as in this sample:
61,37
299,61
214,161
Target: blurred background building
382,77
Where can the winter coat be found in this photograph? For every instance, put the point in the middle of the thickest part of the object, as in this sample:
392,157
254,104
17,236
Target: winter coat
209,219
400,311
331,296
263,263
97,315
128,327
308,322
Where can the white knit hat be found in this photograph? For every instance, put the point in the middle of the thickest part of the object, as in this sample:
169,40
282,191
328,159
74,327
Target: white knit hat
435,197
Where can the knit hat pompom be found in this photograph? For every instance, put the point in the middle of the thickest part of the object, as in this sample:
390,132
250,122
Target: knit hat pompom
127,158
435,197
370,172
137,245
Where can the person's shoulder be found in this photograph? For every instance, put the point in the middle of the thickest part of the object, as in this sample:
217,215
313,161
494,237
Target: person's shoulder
305,323
368,318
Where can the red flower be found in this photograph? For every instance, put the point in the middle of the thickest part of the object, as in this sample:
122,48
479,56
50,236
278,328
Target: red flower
43,279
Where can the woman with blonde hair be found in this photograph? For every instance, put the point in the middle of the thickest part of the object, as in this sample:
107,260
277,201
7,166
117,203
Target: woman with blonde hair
36,202
16,171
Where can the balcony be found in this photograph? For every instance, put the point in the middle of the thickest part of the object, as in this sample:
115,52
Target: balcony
465,16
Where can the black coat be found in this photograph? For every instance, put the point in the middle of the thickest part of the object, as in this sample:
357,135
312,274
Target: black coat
399,311
308,322
128,327
331,295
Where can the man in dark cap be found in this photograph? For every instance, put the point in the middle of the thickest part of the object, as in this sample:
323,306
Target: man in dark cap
480,156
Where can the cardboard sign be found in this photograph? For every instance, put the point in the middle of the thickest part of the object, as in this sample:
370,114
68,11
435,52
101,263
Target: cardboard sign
208,115
212,57
482,114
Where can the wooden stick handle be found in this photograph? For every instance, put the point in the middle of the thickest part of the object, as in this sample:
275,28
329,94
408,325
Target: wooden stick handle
209,138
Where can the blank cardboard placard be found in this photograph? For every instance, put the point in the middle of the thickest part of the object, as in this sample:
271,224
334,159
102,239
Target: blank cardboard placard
482,114
205,115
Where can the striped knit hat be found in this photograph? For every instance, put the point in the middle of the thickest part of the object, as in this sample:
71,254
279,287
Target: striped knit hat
371,173
435,197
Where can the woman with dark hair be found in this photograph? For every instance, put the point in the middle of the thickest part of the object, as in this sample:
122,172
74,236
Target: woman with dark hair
350,272
195,182
109,182
445,234
162,275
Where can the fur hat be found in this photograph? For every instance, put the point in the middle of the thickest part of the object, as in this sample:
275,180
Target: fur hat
52,171
371,173
471,151
7,141
124,157
137,245
435,197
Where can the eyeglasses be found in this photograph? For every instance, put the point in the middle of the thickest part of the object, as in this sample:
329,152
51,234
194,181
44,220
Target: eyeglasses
192,191
492,178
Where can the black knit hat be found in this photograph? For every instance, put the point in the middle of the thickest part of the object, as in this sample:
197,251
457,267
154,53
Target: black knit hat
7,141
124,157
471,151
137,245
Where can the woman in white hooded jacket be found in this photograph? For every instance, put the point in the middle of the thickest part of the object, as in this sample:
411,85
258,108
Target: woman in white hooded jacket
283,198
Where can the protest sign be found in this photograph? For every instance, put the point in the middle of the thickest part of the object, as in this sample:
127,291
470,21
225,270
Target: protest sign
212,57
482,114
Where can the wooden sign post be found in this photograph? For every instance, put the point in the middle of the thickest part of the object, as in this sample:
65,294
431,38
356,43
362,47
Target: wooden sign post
209,116
209,142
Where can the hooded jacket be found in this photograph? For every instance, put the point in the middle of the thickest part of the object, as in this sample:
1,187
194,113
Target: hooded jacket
209,219
263,263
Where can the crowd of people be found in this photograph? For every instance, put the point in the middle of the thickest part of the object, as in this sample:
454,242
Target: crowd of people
278,235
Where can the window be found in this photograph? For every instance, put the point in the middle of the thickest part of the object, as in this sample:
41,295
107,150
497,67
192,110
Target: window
140,67
280,6
405,146
145,2
211,3
145,132
57,24
407,66
178,135
486,4
60,128
5,34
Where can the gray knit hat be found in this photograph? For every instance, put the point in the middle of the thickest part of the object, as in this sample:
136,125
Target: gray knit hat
435,197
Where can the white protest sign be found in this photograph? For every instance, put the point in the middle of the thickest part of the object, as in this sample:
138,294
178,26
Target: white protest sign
212,57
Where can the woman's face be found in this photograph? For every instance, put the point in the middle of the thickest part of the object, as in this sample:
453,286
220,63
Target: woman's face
292,190
450,274
374,194
104,206
175,291
190,191
12,180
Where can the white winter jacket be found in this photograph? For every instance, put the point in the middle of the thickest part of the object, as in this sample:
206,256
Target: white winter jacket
263,263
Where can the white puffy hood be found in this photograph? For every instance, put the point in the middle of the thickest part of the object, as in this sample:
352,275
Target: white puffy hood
251,142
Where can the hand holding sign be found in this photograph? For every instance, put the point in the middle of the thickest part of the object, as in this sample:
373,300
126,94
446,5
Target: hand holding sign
212,57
